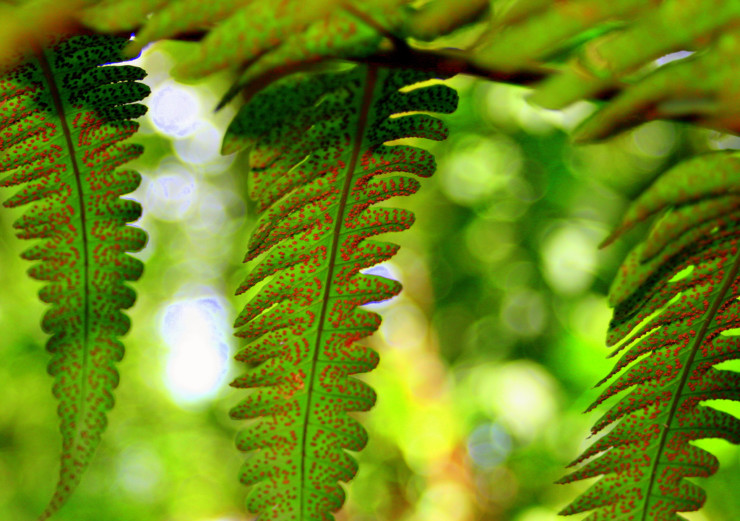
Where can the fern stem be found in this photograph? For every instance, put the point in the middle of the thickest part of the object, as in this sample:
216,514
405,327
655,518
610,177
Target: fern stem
56,97
698,341
365,105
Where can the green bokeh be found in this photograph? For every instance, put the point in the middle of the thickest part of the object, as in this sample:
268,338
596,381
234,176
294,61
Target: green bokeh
488,357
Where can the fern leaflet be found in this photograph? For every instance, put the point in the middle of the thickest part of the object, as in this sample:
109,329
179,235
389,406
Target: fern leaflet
62,118
680,290
601,47
318,161
262,40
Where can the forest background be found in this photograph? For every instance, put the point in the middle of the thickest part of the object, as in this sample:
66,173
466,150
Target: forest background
488,357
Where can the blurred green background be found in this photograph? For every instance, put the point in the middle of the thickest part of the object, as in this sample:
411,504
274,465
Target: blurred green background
488,357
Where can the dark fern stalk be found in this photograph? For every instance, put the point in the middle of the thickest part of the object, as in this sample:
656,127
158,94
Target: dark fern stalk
319,163
63,118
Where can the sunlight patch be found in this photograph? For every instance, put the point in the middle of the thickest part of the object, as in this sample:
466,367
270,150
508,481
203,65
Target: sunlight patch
175,110
195,332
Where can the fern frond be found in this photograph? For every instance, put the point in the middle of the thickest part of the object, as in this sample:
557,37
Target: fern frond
62,120
702,88
679,292
614,45
318,164
255,37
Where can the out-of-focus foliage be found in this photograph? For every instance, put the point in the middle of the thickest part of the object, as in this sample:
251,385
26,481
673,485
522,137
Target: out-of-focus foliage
578,192
584,48
487,356
670,59
262,40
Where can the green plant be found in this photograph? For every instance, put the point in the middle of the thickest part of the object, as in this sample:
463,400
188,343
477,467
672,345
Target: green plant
327,89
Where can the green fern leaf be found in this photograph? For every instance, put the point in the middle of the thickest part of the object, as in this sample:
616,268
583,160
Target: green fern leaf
537,29
119,15
620,53
318,161
63,119
613,46
440,17
261,36
682,300
701,88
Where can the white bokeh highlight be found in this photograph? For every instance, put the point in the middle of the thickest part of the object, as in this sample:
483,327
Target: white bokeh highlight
170,195
195,332
388,270
202,146
672,57
569,259
174,110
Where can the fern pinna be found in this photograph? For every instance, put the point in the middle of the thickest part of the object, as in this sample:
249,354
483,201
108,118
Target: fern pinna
679,290
318,162
62,120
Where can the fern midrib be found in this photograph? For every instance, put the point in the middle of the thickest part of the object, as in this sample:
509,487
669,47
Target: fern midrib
59,106
366,103
698,341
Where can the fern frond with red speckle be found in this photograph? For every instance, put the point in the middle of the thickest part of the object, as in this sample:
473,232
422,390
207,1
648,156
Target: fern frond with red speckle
678,291
319,163
63,118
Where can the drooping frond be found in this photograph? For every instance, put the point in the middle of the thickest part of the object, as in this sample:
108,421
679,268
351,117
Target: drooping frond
615,46
678,291
583,48
257,37
319,163
62,120
264,40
